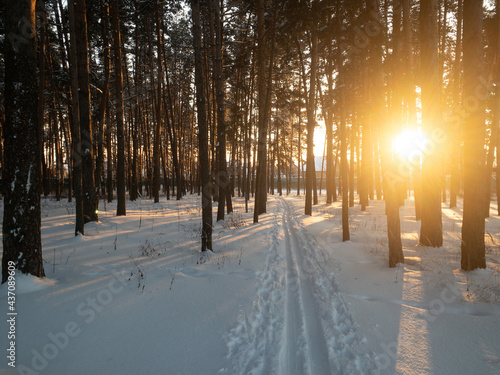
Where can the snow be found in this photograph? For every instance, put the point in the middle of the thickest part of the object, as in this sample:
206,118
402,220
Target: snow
28,183
284,296
13,183
28,284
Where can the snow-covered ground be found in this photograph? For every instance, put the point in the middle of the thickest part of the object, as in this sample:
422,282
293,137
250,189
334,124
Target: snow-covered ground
284,296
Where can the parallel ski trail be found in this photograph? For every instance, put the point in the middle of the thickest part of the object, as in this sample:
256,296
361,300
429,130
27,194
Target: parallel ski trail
254,344
292,359
300,305
299,323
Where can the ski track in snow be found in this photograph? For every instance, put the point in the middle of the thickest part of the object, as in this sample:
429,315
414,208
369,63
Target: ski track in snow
299,323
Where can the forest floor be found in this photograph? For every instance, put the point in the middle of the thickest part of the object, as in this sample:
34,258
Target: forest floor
284,296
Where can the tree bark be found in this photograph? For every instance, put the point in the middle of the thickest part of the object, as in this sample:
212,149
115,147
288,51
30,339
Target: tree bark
221,121
473,227
493,148
121,209
75,127
45,187
330,171
109,156
344,167
380,117
104,98
206,198
261,178
87,150
455,162
353,154
311,124
158,125
366,178
431,233
22,244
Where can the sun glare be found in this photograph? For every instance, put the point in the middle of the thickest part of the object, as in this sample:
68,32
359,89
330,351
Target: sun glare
409,144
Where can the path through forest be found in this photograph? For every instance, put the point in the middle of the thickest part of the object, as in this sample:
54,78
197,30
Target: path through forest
284,296
299,323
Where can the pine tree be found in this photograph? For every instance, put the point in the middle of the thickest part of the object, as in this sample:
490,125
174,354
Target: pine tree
431,232
380,118
75,127
223,181
22,244
261,179
311,124
473,227
120,168
87,149
457,74
206,198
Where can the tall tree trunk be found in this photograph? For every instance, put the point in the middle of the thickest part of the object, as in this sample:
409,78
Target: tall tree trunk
408,91
22,244
330,171
261,179
455,162
172,132
136,180
157,129
272,166
109,157
344,166
431,232
41,98
206,198
397,95
441,57
311,124
88,185
104,98
495,125
299,150
380,117
120,165
334,183
473,247
352,156
278,157
221,121
62,24
75,127
366,178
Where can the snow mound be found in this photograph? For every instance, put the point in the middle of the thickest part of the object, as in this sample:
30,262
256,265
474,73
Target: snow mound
28,284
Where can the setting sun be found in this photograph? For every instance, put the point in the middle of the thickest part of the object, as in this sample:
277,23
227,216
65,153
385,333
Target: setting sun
410,143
